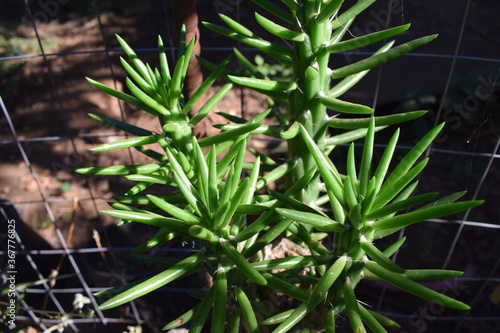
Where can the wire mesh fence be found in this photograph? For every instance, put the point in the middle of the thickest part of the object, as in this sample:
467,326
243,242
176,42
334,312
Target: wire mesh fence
49,47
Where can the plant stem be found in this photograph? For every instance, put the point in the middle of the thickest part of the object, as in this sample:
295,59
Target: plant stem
311,75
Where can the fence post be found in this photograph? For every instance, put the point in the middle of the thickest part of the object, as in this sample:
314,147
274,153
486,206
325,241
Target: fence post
185,13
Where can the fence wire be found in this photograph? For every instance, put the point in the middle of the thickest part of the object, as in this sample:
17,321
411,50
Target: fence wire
52,304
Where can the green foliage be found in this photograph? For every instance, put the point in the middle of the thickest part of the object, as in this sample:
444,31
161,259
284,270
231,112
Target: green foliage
218,202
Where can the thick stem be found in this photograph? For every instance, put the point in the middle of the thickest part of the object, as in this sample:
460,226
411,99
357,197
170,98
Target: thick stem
311,74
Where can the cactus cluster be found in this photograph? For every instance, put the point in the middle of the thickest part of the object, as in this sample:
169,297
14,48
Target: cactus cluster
219,203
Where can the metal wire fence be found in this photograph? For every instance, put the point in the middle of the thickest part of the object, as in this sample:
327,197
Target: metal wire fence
49,46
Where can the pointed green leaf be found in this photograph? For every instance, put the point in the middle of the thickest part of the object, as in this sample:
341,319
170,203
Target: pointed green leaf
291,262
352,307
328,171
354,123
177,82
116,170
339,33
275,10
391,249
227,159
270,130
305,236
248,65
235,322
228,135
220,299
348,82
123,96
202,233
202,311
350,136
227,191
386,194
329,11
292,4
385,161
291,132
279,30
237,27
351,13
393,224
379,59
266,218
322,288
372,38
351,167
173,210
316,220
145,98
152,75
121,125
420,274
264,85
414,288
186,187
232,118
161,88
431,274
366,160
370,320
247,310
350,193
412,156
277,319
275,174
181,47
181,320
234,203
290,202
151,91
399,206
343,106
378,256
201,172
152,178
383,319
213,191
127,143
210,104
150,219
446,200
151,154
183,267
118,290
155,260
161,236
286,288
330,321
252,183
139,65
164,67
187,55
293,319
268,237
280,53
207,83
241,262
136,189
251,209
